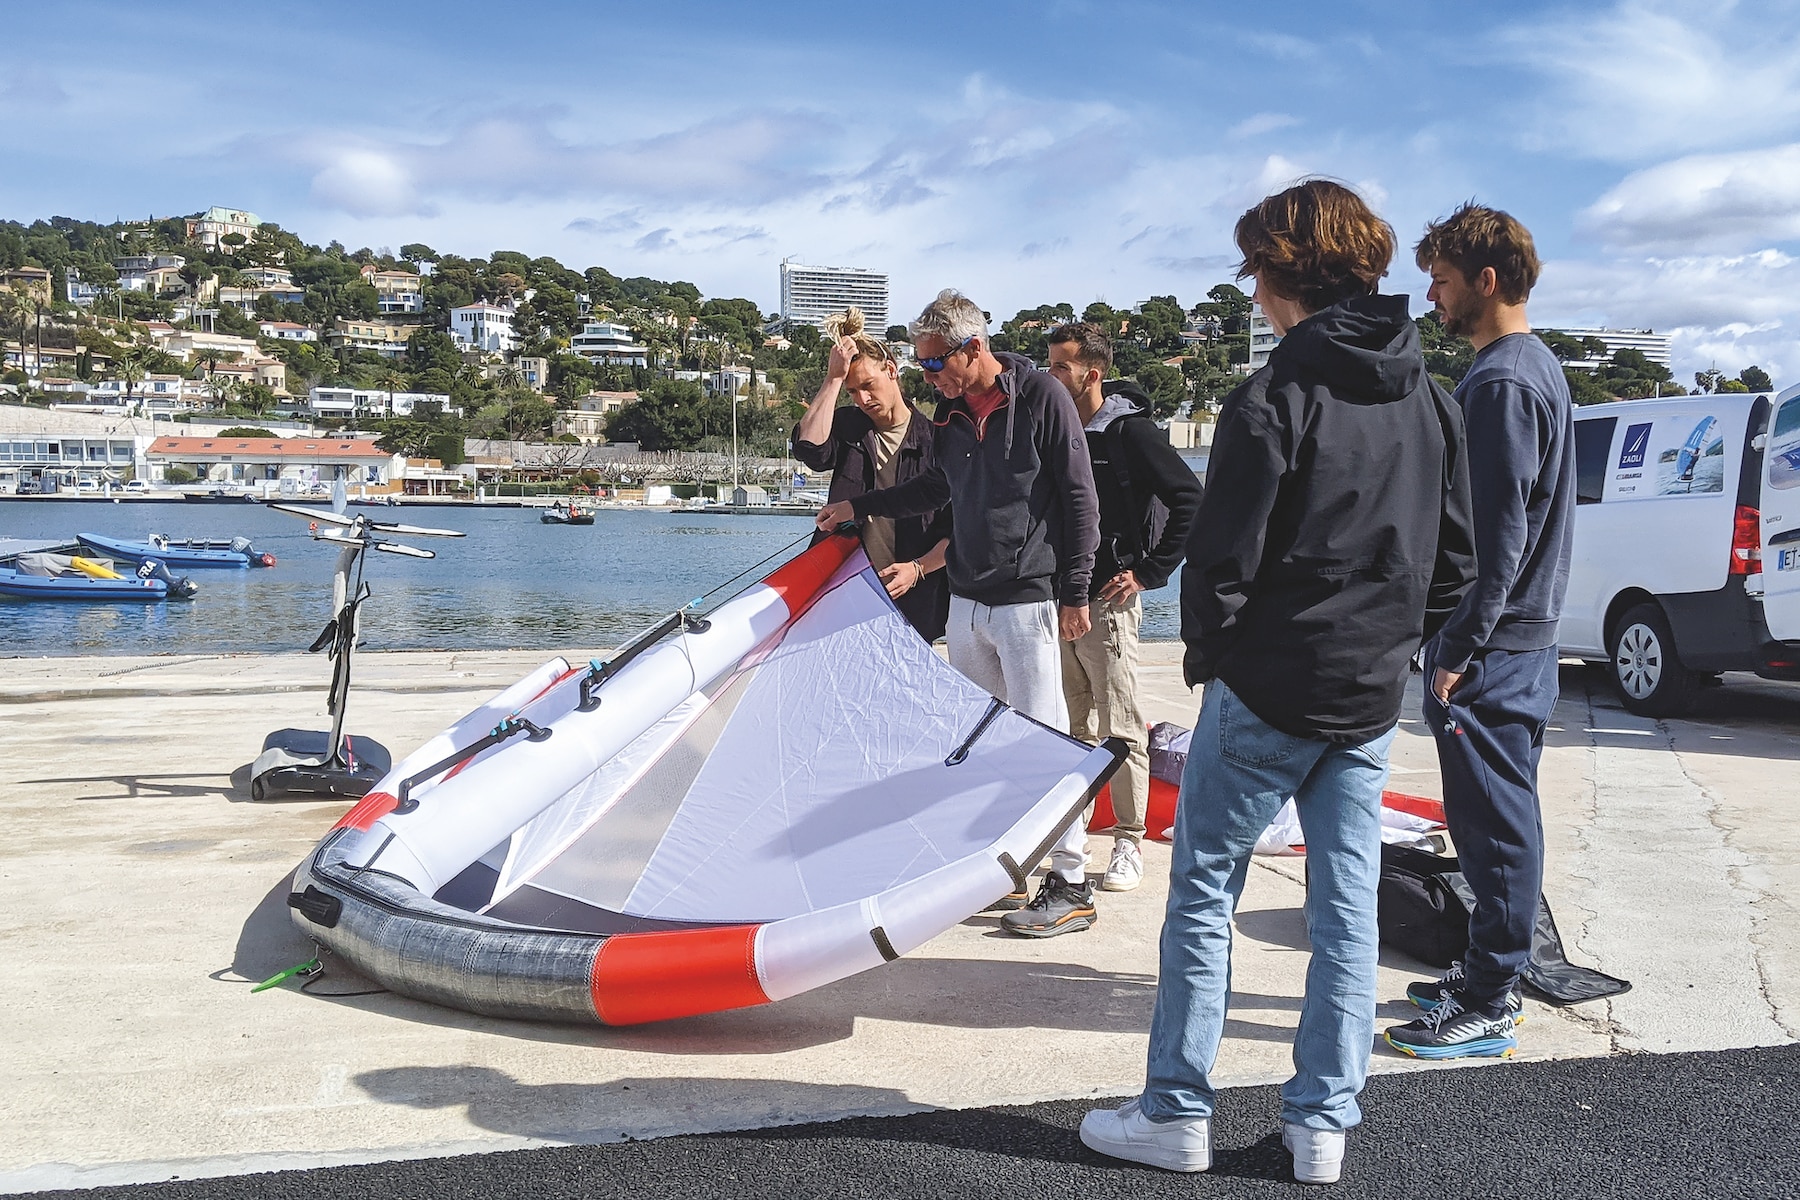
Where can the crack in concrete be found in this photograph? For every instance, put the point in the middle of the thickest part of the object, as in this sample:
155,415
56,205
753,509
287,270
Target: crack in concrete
1734,878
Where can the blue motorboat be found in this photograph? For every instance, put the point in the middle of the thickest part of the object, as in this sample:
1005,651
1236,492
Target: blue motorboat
182,555
48,576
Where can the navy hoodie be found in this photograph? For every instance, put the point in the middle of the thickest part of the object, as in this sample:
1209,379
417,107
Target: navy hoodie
1020,488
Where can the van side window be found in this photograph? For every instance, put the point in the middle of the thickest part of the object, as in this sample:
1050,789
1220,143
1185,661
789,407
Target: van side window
1593,448
1784,446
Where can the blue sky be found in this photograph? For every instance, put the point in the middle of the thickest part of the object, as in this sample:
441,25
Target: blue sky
1024,153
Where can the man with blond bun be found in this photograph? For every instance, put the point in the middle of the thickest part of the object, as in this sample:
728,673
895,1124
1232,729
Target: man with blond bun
1490,674
876,441
1012,463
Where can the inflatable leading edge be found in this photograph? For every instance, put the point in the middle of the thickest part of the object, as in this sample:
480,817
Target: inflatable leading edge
732,810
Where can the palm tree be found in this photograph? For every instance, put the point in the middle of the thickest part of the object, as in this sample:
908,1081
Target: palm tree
509,376
130,367
15,309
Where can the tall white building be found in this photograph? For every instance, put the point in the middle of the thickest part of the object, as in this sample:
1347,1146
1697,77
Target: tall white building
1654,346
1263,340
810,294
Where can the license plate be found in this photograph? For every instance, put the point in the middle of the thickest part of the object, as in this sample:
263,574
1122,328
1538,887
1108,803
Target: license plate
1787,559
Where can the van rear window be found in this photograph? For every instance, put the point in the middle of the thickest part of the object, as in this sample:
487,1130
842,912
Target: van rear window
1593,447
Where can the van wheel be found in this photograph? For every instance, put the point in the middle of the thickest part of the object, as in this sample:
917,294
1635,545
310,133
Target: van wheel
1646,668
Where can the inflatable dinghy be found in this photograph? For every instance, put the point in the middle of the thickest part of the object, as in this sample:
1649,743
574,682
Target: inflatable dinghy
732,810
52,576
187,553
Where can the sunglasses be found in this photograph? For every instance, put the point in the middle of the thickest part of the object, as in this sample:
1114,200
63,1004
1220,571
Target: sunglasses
934,365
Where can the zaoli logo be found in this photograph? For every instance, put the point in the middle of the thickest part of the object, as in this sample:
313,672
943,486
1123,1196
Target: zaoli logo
1637,445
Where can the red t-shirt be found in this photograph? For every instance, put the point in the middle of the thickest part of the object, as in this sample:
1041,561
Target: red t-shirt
982,405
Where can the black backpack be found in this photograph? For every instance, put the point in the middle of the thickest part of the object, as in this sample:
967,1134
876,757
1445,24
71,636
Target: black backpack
1156,513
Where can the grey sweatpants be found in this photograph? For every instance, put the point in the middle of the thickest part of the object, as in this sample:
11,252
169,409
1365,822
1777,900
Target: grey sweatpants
1012,651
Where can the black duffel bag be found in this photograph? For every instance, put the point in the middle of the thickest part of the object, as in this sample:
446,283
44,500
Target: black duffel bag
1422,909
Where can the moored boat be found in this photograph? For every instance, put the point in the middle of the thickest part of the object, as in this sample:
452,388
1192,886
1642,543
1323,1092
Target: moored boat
566,514
186,553
48,576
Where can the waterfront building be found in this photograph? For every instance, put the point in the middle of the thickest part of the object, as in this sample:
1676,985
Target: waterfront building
252,462
810,294
33,281
373,402
386,338
1654,346
66,460
287,331
212,226
483,327
395,291
608,343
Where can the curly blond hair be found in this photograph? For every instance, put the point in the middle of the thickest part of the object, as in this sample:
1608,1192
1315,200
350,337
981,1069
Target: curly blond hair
850,324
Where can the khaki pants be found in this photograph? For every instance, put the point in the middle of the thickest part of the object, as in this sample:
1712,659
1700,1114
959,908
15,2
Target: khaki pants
1100,683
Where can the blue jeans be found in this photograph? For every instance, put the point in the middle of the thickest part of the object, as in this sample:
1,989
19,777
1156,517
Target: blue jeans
1239,772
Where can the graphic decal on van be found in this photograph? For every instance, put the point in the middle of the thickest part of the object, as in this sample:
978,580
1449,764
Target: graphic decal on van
1784,446
1672,456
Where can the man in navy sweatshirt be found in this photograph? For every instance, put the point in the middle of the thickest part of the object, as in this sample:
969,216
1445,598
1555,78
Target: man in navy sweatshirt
1490,674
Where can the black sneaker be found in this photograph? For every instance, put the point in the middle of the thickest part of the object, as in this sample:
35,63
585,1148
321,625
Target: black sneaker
1451,1031
1060,907
1427,994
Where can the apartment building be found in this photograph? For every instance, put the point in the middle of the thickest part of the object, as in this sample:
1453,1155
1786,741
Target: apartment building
386,338
486,328
395,291
610,344
810,294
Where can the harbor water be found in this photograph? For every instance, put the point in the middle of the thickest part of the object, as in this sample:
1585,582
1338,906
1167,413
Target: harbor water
512,583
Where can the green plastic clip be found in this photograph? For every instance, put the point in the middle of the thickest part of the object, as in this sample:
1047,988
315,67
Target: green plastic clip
305,970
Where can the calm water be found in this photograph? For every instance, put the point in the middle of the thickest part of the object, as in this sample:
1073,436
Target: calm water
512,583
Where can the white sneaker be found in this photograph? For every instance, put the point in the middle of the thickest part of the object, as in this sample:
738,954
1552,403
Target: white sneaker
1184,1144
1318,1153
1126,870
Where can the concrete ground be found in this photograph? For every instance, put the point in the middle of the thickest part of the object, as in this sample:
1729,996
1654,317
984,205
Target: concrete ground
141,895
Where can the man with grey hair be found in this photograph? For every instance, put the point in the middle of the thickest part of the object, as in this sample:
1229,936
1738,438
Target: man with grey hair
1012,462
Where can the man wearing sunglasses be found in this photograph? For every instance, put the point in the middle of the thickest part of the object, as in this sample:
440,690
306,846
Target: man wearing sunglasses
1011,460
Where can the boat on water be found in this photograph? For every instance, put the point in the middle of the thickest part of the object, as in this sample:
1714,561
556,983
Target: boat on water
50,576
187,553
218,496
567,514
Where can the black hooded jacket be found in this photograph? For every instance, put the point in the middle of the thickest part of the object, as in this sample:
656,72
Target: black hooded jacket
1151,468
1336,533
1021,488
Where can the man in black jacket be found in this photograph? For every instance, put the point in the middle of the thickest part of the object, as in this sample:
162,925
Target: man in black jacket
1136,474
1010,460
1333,538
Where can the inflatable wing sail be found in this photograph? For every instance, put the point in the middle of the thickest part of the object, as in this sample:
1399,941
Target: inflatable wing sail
733,810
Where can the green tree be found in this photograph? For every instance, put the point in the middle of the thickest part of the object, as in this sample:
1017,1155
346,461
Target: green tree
1756,379
1166,387
666,416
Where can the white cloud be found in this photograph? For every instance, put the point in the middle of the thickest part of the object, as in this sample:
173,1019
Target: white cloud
365,182
1261,123
1730,309
1645,78
1747,198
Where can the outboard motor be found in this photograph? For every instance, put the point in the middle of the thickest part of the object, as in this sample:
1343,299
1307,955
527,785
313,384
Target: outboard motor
257,559
180,587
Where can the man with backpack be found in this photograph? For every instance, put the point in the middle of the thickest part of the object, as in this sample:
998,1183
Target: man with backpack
1148,497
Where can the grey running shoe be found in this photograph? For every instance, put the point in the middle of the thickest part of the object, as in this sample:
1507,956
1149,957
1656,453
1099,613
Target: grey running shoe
1059,907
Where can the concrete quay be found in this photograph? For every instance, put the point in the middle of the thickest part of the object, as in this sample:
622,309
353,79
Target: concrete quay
141,896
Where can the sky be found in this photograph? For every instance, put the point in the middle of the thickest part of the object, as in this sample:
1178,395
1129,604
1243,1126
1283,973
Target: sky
1023,153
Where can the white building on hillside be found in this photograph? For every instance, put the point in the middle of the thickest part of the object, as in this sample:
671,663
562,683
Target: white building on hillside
211,227
372,402
287,331
810,294
605,342
484,327
1263,341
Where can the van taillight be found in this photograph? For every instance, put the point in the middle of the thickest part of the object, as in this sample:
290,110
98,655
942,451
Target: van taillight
1746,542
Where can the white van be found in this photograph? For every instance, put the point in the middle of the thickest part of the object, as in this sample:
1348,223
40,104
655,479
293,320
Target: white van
1687,543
